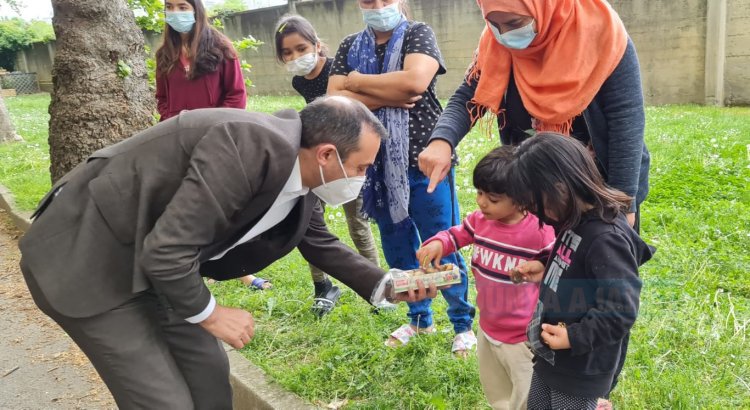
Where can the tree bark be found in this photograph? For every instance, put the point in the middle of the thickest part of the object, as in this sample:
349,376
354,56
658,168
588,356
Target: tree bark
7,132
94,103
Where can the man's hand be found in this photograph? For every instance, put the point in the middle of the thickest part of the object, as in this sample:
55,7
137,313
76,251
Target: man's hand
531,271
435,162
234,326
430,254
420,294
556,337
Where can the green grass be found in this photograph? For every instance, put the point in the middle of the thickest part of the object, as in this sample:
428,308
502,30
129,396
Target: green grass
689,348
24,166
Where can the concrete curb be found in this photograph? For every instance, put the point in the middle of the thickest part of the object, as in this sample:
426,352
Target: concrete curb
253,391
251,388
20,219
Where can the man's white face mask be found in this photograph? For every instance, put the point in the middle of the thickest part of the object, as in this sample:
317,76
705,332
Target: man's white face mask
339,191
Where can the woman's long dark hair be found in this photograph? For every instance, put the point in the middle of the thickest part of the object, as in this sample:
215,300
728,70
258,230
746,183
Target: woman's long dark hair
557,172
208,47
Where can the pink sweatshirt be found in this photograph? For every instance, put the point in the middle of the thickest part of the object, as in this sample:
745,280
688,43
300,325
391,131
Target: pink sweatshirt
505,309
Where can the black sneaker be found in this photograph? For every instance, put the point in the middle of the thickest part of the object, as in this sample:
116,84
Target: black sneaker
324,303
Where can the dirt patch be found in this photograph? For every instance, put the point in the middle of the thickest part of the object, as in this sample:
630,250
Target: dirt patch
40,367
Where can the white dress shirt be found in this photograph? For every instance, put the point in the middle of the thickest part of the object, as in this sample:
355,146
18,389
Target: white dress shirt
279,210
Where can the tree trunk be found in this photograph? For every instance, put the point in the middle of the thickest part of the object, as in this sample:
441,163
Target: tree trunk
95,101
7,132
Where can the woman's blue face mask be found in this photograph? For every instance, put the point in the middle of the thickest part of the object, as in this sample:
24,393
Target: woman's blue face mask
180,21
384,19
517,39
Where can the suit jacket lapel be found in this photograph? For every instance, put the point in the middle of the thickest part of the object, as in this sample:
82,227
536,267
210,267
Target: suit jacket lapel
289,128
256,254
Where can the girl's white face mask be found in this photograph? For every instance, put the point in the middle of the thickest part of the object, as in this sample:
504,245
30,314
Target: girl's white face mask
304,65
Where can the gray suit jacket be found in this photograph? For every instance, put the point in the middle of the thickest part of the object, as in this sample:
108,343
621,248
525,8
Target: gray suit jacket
154,208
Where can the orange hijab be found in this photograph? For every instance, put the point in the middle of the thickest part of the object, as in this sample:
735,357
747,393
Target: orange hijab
578,45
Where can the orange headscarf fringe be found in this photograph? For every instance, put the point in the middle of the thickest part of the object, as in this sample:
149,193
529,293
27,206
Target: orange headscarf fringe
556,75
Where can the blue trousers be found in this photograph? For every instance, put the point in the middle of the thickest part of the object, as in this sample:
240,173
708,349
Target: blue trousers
430,213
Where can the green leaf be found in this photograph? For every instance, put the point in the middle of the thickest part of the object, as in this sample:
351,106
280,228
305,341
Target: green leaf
123,69
249,42
149,14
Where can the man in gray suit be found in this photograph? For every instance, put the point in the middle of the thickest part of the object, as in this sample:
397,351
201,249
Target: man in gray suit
118,248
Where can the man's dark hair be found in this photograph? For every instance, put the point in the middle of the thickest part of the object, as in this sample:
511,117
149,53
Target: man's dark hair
489,174
339,121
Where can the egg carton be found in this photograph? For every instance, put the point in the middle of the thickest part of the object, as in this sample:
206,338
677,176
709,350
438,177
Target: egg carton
447,274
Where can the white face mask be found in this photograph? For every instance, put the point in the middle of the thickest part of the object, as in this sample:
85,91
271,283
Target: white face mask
340,191
304,65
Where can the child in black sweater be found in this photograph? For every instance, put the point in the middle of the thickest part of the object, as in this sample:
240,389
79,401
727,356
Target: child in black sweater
589,294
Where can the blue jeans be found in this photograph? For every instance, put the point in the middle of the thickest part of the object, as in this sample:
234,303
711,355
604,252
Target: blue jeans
430,214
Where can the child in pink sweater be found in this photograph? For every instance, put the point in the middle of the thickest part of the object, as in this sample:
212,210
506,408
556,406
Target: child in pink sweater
504,236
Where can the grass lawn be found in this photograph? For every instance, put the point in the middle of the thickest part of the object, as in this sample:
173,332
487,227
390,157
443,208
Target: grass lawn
689,347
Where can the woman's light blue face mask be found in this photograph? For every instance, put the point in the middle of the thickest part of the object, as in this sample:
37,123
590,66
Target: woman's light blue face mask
180,21
517,39
384,19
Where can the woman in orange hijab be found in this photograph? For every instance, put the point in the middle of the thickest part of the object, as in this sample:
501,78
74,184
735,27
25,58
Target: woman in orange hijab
566,66
553,65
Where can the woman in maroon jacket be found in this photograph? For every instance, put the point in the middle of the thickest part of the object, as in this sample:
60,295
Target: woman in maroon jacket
196,65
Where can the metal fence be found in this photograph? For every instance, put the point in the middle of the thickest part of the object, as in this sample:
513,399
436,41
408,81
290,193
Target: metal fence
23,83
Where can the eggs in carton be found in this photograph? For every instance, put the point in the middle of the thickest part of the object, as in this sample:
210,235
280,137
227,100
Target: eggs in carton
404,280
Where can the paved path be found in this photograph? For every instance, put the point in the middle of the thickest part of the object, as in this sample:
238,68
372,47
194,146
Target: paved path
40,367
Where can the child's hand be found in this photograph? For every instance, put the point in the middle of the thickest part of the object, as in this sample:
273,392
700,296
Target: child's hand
556,337
431,253
531,271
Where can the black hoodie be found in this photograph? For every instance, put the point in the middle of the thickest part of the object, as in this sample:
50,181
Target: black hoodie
591,284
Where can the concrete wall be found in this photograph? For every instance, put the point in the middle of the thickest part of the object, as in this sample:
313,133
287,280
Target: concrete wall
737,71
691,51
457,25
670,37
38,59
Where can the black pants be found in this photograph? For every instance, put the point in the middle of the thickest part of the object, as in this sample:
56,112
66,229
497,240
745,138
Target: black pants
542,397
147,356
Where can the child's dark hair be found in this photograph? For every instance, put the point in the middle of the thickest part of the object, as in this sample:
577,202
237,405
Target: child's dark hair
489,174
289,24
555,171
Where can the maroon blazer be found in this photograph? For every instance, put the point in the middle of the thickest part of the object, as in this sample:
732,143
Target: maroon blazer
224,87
